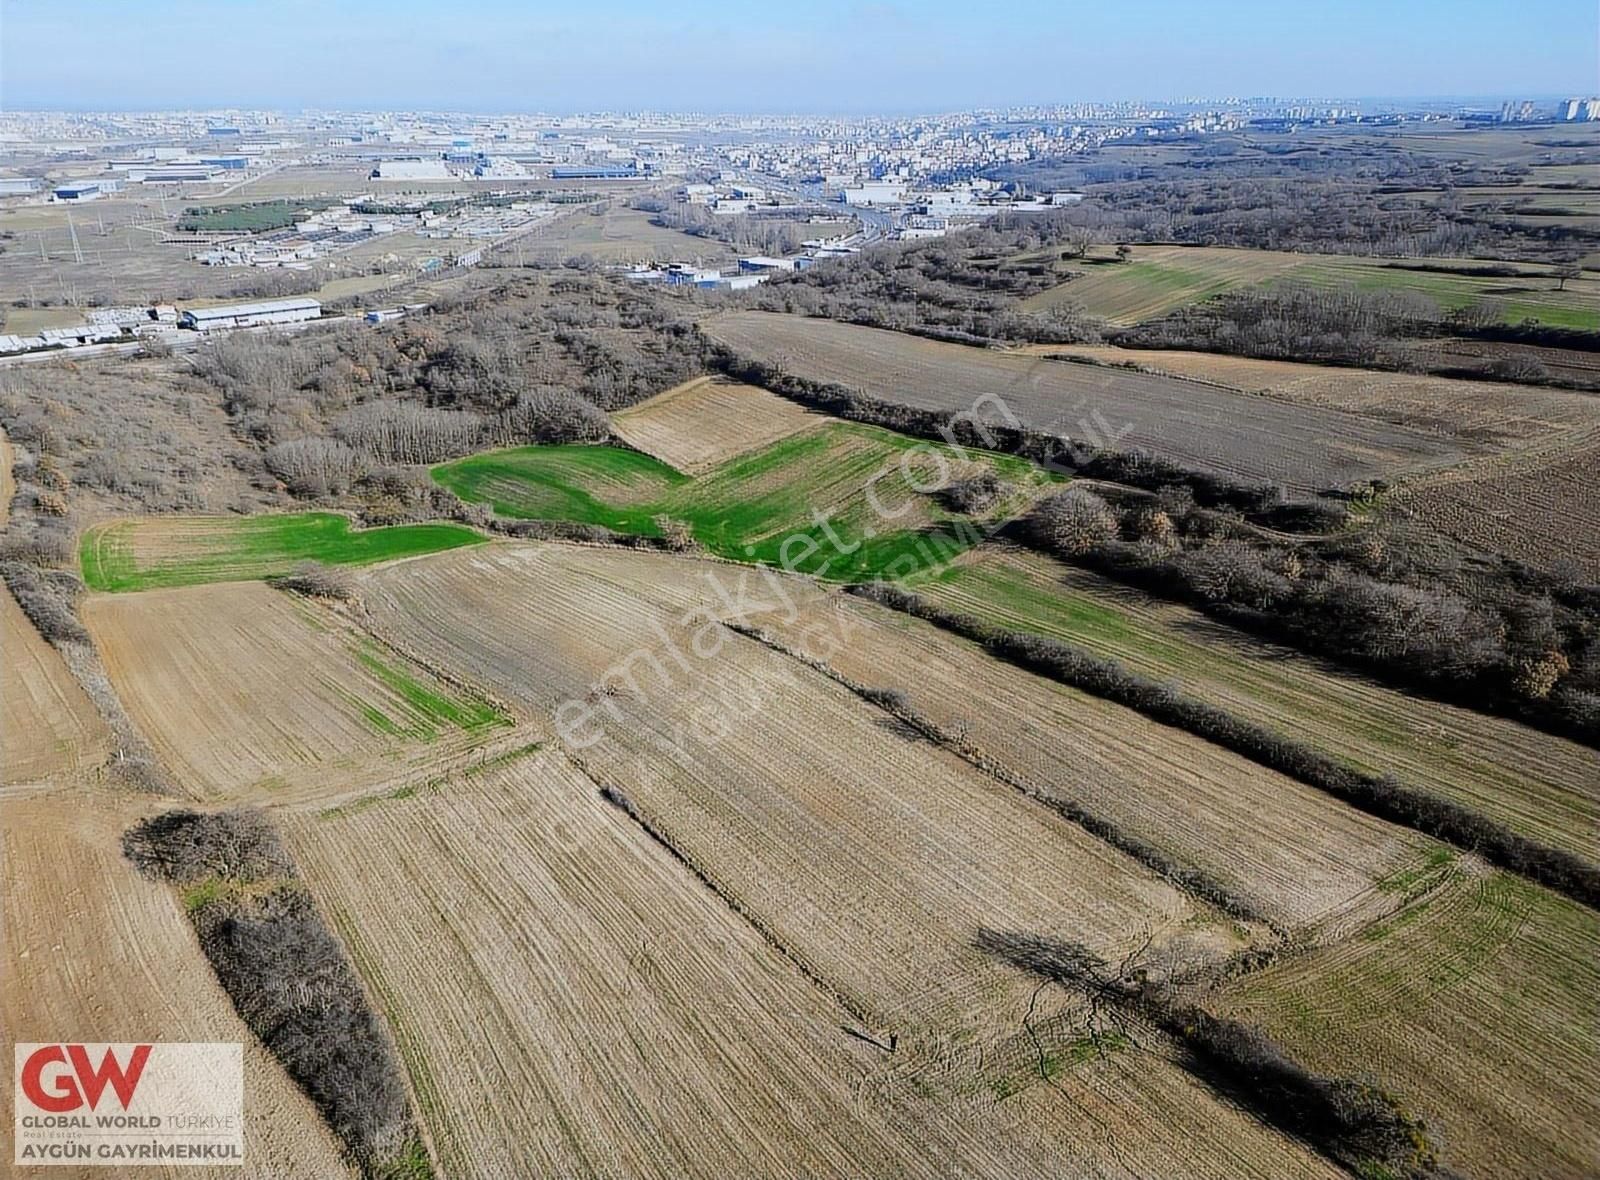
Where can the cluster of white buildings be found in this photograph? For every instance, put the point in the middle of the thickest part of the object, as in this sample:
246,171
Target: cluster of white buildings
118,325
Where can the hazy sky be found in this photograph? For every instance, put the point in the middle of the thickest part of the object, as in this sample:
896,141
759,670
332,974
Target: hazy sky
772,55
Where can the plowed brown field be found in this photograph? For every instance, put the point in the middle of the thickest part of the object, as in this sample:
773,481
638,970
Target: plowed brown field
1289,850
874,858
247,692
48,726
706,421
1305,448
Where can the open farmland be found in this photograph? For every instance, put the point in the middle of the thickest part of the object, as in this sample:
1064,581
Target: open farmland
50,726
707,421
247,692
1286,850
1542,506
1479,1003
840,500
871,857
1252,438
93,947
1543,786
1471,412
639,1009
1161,279
143,553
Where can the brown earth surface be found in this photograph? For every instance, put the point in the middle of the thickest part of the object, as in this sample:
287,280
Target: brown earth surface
1305,448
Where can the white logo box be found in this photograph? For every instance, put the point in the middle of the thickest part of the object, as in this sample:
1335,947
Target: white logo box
129,1104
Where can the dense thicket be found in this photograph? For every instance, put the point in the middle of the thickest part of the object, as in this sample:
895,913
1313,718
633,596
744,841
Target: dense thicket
1407,605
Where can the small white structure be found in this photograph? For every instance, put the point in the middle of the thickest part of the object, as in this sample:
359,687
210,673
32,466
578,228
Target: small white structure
250,315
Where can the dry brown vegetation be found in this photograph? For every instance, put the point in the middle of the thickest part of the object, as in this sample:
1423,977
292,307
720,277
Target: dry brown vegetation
705,421
1253,439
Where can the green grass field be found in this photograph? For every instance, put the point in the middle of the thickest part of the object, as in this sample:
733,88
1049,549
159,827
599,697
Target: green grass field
761,507
151,552
1161,279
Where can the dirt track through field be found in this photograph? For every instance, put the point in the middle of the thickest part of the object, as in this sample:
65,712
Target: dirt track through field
1479,1004
1307,449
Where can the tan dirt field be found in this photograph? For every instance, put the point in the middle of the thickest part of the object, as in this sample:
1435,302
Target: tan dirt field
1478,1005
1542,506
95,952
1292,852
1499,415
249,693
1307,449
49,728
634,1009
1543,786
703,422
873,857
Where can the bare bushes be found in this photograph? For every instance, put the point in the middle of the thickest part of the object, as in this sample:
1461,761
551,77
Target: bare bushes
315,580
405,432
286,973
1389,600
315,467
1075,521
549,414
49,599
1354,1123
975,494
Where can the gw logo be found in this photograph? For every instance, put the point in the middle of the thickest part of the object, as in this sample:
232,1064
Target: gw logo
50,1086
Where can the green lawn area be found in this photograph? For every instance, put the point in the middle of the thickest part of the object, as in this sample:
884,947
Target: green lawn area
151,552
840,501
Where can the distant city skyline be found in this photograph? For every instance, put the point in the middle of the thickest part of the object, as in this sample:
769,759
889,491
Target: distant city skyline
827,56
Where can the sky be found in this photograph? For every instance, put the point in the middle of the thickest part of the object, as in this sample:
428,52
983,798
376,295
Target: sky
803,56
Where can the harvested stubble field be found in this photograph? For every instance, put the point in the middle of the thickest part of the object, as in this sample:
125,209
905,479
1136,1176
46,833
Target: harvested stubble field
1541,505
706,421
1161,279
145,553
635,1009
50,727
249,693
1307,449
1542,786
1478,1003
95,952
871,856
1290,852
1471,412
870,487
